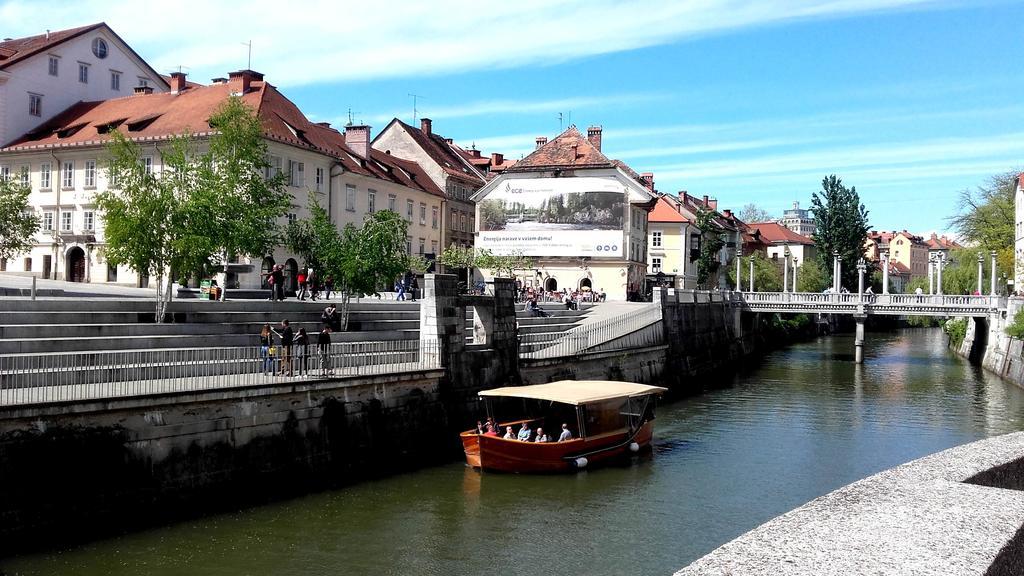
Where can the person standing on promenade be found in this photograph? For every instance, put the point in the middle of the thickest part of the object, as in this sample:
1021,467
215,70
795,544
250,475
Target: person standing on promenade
278,277
287,337
302,350
323,347
266,341
301,295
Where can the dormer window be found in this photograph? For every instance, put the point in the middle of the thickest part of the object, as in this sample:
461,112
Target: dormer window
99,48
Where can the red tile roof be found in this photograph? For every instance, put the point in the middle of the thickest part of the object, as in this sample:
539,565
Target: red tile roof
664,211
775,233
570,149
898,268
443,153
942,243
18,49
151,117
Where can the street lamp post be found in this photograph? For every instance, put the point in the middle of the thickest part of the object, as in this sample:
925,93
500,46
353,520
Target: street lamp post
739,281
931,275
861,268
837,270
785,270
993,255
981,262
885,272
939,263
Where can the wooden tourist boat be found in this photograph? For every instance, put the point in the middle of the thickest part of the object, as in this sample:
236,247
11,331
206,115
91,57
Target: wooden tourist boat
607,419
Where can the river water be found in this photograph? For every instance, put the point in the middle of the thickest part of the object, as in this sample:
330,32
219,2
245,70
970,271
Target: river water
806,421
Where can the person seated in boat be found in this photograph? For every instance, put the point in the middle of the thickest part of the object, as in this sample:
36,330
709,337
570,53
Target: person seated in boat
541,436
490,422
525,432
491,431
479,427
565,435
509,434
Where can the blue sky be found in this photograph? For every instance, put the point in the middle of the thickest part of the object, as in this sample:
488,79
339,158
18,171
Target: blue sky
911,101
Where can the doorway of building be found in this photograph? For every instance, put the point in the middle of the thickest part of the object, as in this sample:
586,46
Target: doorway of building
47,266
265,270
551,284
291,272
76,265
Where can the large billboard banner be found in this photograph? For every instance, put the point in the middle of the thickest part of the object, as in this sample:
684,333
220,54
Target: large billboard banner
571,217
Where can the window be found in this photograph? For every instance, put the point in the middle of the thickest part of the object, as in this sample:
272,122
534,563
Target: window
656,265
462,221
90,173
99,48
694,247
319,179
147,164
408,245
83,73
371,201
65,221
454,220
274,167
143,81
433,247
350,198
28,264
88,221
292,217
391,203
408,211
44,175
423,245
54,65
655,239
296,174
48,221
115,81
433,217
111,273
35,104
5,172
423,214
26,175
68,175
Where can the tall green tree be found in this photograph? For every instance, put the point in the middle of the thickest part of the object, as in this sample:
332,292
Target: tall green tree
17,221
811,277
842,227
202,209
711,244
985,217
767,273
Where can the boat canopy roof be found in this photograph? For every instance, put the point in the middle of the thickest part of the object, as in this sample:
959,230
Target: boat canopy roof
575,392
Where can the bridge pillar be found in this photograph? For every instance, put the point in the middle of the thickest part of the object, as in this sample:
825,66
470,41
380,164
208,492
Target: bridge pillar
858,339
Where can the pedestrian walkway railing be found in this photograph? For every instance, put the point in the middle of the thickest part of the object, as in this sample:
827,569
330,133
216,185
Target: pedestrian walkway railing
902,304
44,378
593,336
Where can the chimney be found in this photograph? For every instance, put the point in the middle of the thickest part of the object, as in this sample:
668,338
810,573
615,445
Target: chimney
241,81
594,136
358,139
177,82
143,89
324,124
541,140
706,200
648,178
497,158
425,125
474,153
728,213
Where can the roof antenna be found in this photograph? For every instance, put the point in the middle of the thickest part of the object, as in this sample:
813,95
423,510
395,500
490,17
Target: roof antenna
414,97
351,116
559,122
248,63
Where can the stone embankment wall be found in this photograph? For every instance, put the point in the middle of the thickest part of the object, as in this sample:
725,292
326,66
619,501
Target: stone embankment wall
987,343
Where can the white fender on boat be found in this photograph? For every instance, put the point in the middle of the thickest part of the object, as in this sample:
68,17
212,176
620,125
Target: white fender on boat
634,447
580,462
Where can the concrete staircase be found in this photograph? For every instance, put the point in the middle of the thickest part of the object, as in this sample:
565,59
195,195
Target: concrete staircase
76,325
536,332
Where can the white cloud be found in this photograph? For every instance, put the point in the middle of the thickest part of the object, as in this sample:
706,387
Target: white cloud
518,107
324,41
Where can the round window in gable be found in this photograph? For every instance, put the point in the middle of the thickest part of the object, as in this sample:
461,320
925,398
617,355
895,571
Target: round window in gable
99,48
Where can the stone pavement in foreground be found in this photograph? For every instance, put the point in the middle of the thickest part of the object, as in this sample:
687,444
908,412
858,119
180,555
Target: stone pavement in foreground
917,519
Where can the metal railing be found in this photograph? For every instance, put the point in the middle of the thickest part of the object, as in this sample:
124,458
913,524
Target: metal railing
926,303
43,378
583,338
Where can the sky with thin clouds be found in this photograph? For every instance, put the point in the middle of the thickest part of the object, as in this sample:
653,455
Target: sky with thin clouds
748,101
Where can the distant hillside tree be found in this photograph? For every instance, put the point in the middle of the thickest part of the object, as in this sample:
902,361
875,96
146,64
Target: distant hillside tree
754,213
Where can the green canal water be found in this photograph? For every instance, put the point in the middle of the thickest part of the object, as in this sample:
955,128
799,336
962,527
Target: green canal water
803,423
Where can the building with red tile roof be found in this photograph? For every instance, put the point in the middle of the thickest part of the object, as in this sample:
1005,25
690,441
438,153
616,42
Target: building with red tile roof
44,74
447,165
62,161
667,247
781,240
582,216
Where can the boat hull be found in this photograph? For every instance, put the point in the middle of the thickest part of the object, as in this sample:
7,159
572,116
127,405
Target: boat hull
501,455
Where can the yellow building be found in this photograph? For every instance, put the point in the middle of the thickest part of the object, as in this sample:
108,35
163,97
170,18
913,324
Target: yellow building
906,249
669,256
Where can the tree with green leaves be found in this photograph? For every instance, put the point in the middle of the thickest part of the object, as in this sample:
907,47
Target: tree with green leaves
753,213
842,227
505,265
985,218
767,273
711,244
18,224
811,277
201,210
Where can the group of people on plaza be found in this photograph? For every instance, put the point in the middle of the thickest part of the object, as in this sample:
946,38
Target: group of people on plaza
525,434
308,284
406,287
291,354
